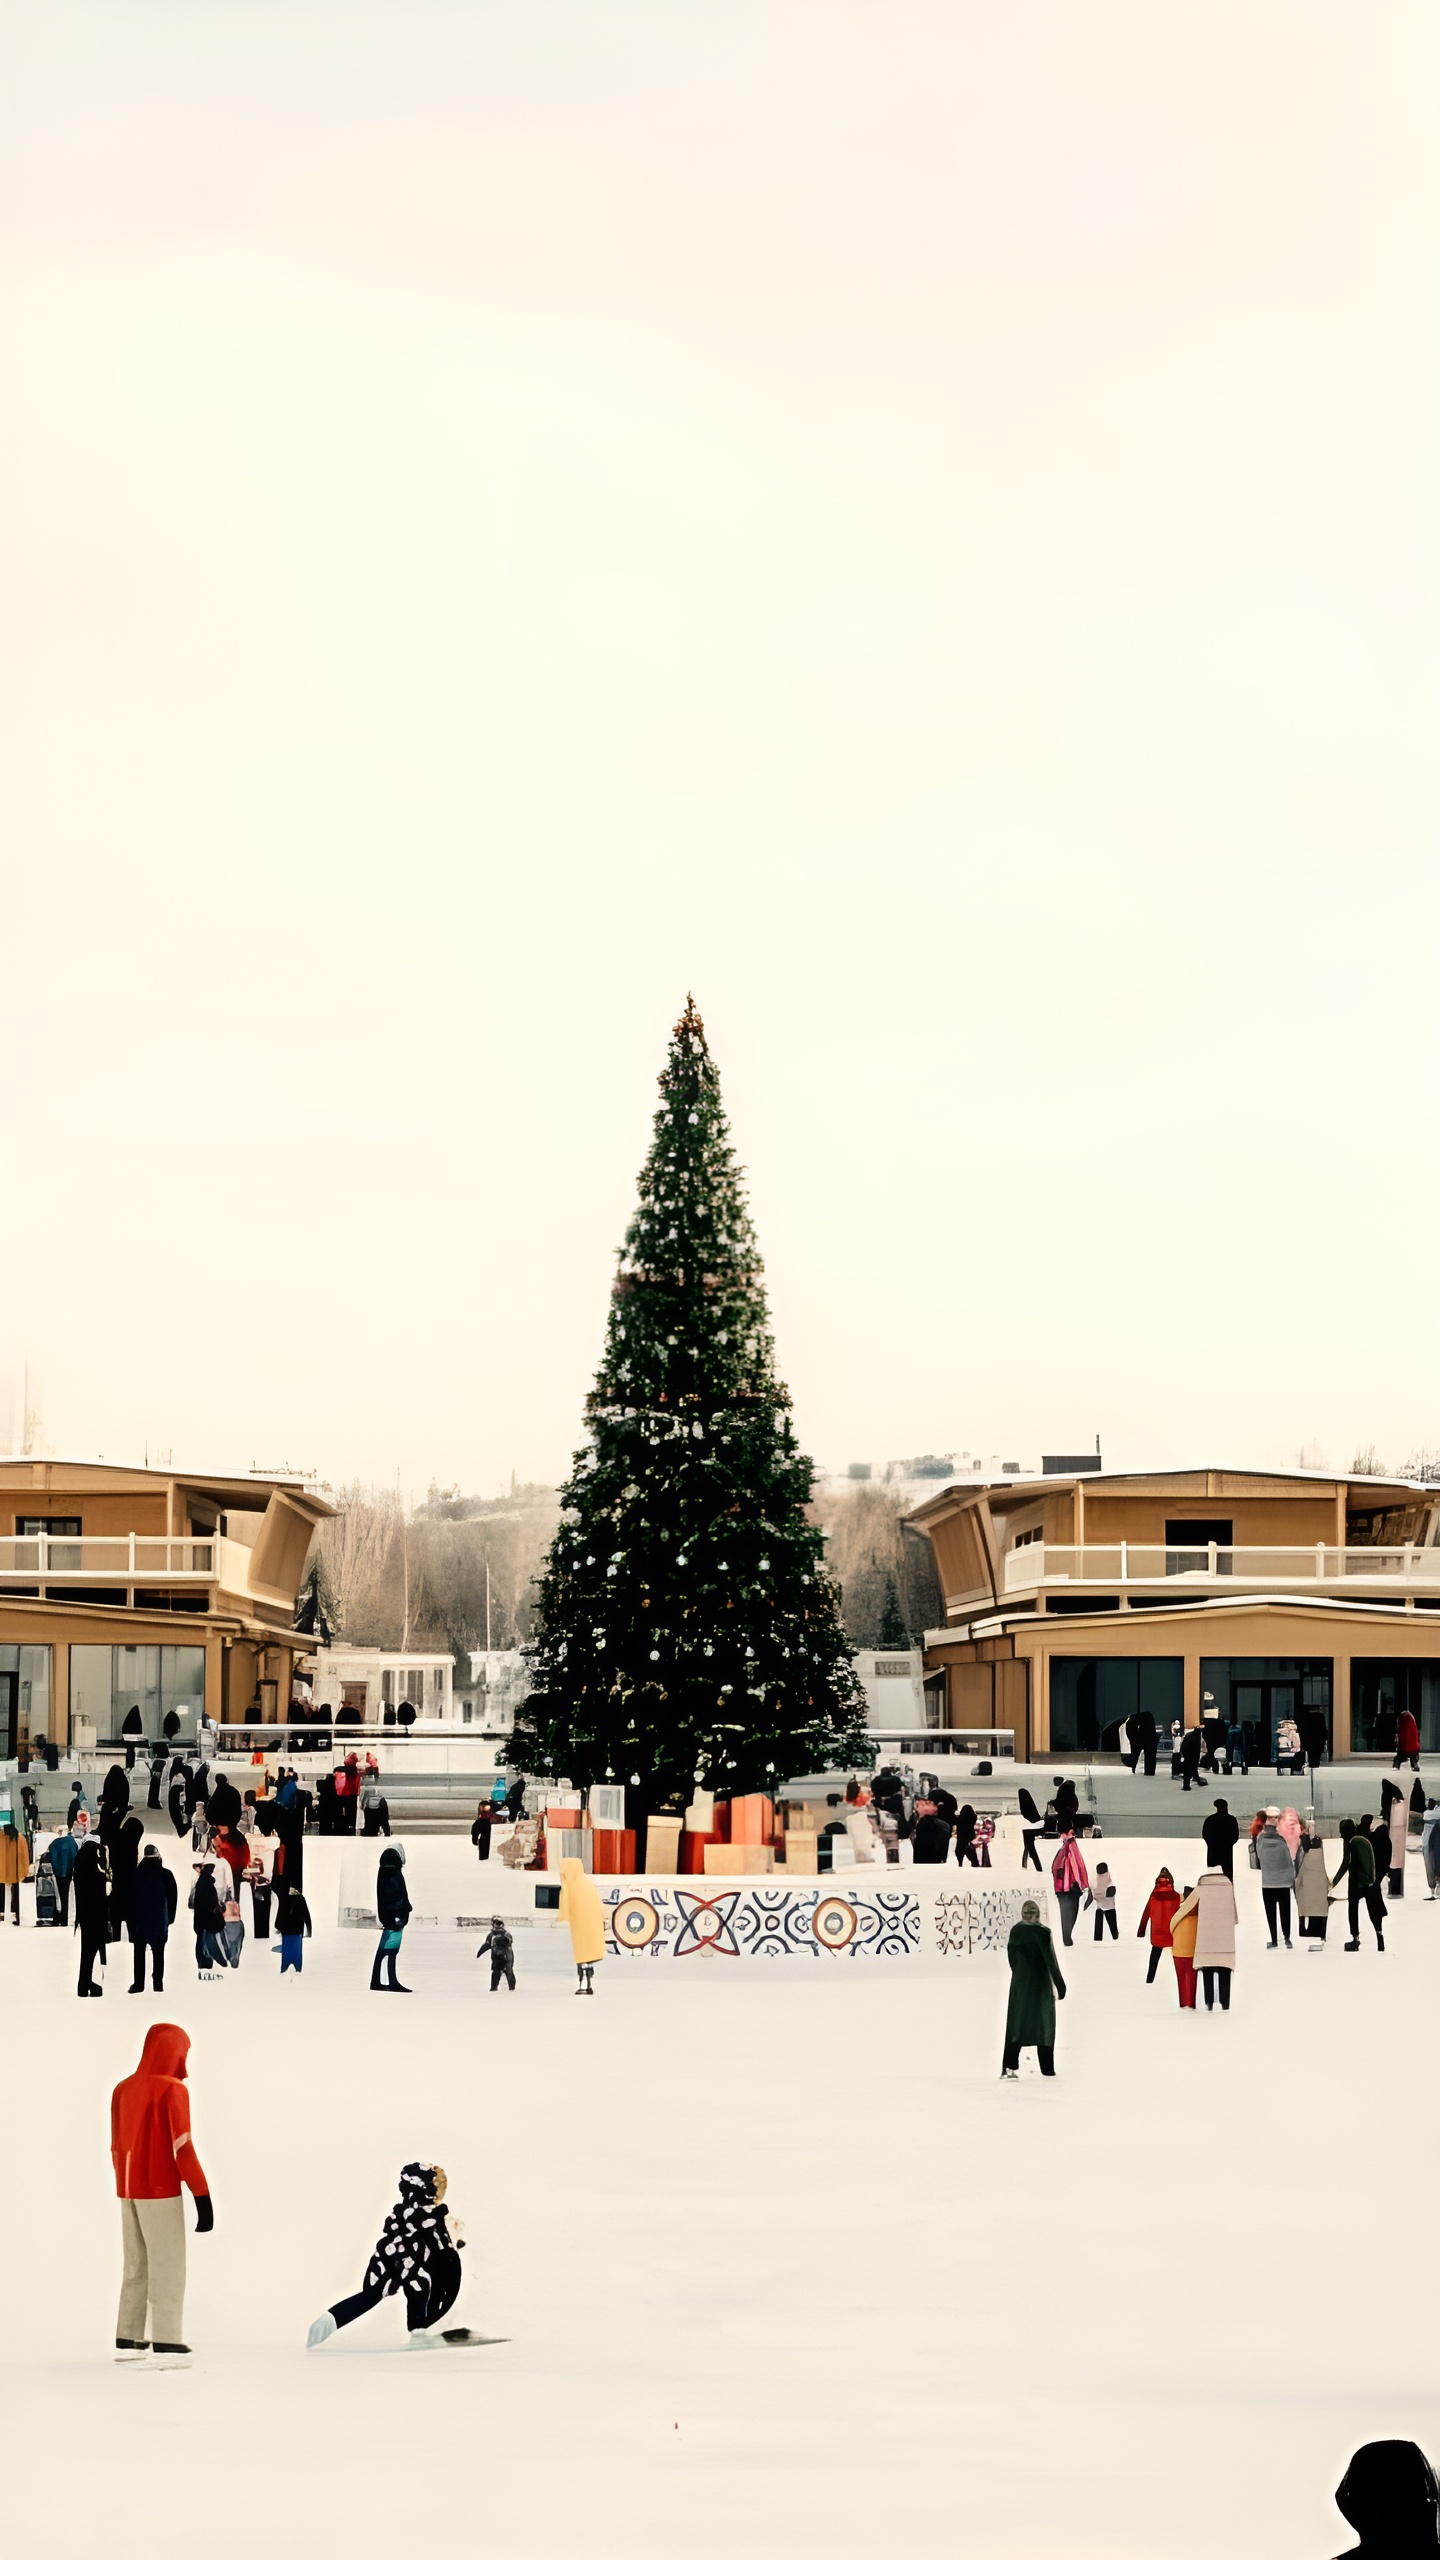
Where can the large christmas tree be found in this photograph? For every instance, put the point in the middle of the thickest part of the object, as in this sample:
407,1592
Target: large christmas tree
688,1632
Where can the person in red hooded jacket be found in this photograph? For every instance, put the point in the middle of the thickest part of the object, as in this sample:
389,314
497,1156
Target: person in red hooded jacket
154,2157
1407,1740
1157,1915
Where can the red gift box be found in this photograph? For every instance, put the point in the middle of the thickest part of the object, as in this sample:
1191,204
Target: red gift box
693,1845
614,1853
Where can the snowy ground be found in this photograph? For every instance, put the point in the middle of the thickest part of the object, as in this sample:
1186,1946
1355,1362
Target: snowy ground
784,2267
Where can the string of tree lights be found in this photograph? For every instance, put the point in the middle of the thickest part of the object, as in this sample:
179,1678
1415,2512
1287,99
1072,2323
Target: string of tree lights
688,1632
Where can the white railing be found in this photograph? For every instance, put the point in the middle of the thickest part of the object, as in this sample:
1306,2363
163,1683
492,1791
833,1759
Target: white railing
128,1559
1382,1568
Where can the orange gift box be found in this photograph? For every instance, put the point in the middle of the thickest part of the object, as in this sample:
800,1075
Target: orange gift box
752,1818
614,1853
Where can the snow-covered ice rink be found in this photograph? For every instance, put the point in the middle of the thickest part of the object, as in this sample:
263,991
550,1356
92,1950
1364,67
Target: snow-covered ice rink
783,2266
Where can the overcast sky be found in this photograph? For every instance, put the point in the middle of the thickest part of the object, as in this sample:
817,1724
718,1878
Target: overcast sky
916,522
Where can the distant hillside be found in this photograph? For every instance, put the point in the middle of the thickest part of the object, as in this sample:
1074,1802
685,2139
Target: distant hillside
867,1543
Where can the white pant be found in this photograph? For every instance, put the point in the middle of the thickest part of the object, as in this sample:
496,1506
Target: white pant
153,2230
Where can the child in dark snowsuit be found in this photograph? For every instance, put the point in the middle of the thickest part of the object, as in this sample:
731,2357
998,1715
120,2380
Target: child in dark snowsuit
294,1929
500,1948
414,2255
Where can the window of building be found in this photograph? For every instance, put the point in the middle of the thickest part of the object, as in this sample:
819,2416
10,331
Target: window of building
1200,1535
415,1689
1378,1691
24,1696
1091,1696
108,1681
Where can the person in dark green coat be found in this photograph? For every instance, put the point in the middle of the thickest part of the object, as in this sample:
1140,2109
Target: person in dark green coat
1036,1982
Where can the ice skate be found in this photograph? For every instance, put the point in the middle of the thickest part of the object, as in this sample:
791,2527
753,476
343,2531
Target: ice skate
321,2329
131,2350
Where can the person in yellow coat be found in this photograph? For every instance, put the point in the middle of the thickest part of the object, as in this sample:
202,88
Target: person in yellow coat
15,1865
581,1908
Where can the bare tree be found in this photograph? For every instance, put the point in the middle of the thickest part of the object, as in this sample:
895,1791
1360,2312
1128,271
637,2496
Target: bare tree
867,1544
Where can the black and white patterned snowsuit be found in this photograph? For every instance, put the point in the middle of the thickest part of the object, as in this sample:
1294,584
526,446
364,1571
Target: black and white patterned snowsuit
414,2255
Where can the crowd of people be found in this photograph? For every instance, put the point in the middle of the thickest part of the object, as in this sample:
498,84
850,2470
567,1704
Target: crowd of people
100,1874
1194,1924
874,1816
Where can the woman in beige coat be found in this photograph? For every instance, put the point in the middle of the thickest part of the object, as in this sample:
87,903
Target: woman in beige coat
1312,1894
1213,1902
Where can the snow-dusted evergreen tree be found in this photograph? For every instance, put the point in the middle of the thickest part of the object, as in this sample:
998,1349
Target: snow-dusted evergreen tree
316,1611
894,1636
687,1628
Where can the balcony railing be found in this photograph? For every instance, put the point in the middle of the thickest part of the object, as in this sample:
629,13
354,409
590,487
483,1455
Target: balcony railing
106,1560
1037,1567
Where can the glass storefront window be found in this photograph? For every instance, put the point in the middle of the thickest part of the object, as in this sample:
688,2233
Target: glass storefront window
24,1695
108,1680
1378,1691
1260,1691
1091,1694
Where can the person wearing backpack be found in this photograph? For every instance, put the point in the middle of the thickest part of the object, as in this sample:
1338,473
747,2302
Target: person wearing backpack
1068,1876
500,1948
1358,1867
209,1916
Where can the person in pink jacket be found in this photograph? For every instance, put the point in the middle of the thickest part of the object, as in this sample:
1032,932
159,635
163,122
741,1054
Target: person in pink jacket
1069,1877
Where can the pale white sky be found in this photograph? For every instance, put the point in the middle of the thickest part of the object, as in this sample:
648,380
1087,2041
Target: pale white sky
915,521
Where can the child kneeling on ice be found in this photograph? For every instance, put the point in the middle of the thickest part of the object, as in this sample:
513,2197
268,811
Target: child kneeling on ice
416,2254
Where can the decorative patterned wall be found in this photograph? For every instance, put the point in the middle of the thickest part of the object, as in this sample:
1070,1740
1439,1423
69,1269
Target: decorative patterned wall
783,1921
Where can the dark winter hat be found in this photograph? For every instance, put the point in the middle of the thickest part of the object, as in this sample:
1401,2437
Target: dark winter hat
1029,1910
1389,2495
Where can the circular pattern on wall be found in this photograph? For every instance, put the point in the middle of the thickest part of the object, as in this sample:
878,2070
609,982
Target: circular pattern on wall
835,1922
634,1923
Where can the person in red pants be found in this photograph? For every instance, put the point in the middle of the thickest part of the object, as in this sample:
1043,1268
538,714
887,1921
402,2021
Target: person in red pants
1182,1948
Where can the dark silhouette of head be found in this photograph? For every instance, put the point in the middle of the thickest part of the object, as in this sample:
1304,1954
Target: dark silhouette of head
1389,2496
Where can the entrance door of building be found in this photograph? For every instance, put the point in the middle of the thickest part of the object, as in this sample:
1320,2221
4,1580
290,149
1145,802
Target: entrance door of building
9,1714
1259,1705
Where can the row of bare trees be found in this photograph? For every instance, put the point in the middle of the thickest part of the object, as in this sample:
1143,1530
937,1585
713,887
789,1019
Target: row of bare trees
866,1549
416,1577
